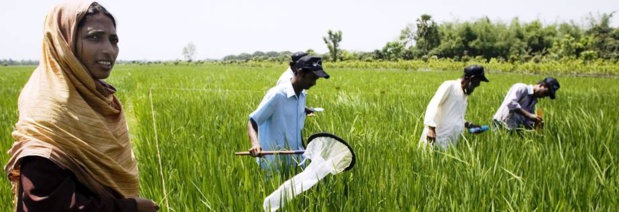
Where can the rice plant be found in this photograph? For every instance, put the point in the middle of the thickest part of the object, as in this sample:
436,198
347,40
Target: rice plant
186,122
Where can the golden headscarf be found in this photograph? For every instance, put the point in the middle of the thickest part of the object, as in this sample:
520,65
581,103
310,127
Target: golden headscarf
70,118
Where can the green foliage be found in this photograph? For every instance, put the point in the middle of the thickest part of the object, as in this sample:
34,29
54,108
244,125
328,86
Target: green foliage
427,36
333,40
186,122
515,42
564,66
392,51
270,56
604,39
589,55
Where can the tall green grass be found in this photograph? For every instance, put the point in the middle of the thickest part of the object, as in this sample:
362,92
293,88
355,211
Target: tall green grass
199,114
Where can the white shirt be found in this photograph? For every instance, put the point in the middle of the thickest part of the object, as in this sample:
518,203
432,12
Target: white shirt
446,112
280,117
285,77
519,96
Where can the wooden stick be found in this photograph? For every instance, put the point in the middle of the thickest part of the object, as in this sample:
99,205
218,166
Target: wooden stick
279,152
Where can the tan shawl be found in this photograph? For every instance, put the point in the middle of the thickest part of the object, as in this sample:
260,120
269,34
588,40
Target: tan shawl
65,118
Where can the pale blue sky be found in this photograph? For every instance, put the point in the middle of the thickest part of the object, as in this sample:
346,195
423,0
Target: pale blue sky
158,30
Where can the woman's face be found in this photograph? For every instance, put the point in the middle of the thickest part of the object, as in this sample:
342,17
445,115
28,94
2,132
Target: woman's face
97,45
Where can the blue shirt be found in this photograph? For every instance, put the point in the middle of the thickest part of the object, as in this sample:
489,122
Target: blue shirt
280,117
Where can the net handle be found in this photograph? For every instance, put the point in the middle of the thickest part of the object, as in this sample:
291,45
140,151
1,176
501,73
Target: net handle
278,152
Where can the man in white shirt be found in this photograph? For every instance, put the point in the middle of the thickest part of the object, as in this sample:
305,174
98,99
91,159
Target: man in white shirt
288,73
517,109
277,122
444,118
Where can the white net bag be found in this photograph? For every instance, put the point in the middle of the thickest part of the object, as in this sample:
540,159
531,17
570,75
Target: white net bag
328,153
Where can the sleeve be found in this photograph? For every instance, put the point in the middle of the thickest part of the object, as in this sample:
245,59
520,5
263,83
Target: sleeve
439,97
45,186
515,94
265,109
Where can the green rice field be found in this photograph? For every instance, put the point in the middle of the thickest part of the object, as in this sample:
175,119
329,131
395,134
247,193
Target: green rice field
186,122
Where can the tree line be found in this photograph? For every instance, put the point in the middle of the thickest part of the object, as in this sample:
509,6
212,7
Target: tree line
11,62
515,41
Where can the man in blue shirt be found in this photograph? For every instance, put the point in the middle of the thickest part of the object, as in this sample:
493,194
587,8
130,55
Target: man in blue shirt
277,122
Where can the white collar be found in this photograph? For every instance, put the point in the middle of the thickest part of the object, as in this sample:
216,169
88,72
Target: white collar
530,89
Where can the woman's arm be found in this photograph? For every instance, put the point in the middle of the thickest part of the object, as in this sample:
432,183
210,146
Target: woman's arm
45,186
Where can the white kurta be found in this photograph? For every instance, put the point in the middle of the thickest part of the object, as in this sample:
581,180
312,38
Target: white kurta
285,77
446,112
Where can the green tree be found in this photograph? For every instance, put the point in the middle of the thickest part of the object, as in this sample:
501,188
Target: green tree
272,54
407,36
518,47
333,43
393,50
427,36
538,37
451,43
605,39
565,47
311,52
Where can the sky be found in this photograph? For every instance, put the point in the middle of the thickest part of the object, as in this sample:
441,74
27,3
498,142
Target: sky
158,30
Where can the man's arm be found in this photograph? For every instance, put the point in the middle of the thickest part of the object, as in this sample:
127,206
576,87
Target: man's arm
432,110
252,131
431,137
265,110
309,112
527,115
469,125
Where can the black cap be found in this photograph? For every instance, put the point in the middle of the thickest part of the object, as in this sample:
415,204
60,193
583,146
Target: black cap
312,63
552,84
475,71
297,55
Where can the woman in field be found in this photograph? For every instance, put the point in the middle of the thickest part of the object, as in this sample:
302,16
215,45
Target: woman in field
72,149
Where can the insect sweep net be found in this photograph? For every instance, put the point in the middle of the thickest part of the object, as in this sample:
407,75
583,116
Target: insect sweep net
328,153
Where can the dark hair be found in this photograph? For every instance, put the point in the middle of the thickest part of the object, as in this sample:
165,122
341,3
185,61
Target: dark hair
542,83
93,9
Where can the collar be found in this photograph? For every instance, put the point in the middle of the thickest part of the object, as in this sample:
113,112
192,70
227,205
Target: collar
530,89
289,90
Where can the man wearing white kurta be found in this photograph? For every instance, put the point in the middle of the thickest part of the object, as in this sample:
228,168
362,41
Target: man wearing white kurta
444,118
288,74
277,122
